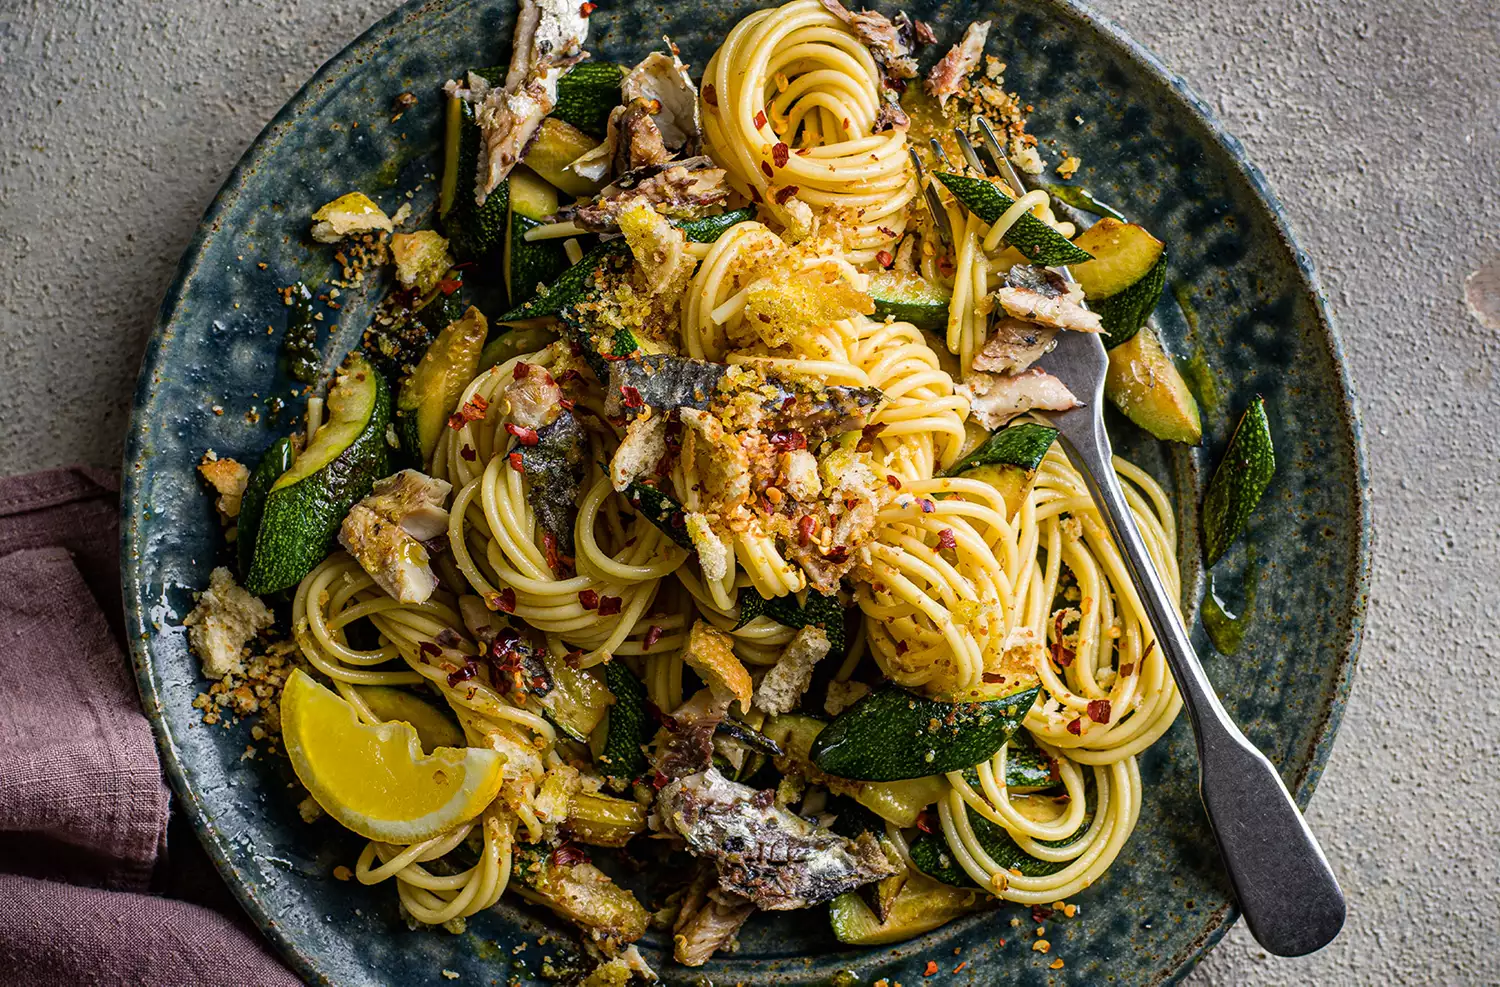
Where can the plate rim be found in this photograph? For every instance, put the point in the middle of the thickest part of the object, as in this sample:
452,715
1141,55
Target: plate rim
347,60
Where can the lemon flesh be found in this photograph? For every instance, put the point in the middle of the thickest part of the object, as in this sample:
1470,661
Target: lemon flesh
375,780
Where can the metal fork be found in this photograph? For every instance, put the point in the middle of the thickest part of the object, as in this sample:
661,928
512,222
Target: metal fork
1288,894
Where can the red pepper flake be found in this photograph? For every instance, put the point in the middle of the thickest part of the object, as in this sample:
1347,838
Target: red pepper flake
710,94
505,600
609,605
463,674
902,647
428,648
765,167
788,441
960,966
574,658
1076,726
588,599
1099,710
760,119
516,462
566,403
780,154
993,678
1061,654
946,539
525,436
924,821
1127,669
887,231
927,506
786,192
1040,913
448,287
923,32
884,259
631,395
838,553
520,371
569,853
805,525
931,968
549,544
468,453
568,376
653,635
867,437
659,781
472,411
893,481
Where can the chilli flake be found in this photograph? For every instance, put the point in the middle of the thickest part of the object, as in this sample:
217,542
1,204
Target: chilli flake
525,436
472,411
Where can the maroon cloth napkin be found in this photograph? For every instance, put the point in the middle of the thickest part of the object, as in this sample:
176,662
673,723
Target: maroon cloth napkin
84,812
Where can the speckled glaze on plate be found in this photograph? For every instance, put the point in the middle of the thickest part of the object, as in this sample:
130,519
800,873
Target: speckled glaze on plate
1252,320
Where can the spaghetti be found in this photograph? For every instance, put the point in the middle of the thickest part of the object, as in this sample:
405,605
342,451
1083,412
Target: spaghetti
805,459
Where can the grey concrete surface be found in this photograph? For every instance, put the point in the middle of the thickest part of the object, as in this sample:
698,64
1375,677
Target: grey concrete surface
1377,123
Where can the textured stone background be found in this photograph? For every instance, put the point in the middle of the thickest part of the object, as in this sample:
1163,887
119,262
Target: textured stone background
1377,123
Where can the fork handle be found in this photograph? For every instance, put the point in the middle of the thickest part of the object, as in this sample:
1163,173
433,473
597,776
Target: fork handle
1286,890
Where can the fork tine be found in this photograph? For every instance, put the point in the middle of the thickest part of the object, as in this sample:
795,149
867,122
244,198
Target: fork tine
997,154
968,150
940,153
934,202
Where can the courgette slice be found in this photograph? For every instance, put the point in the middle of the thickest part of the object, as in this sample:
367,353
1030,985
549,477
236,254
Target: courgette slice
1144,383
530,195
921,906
628,727
899,802
577,702
579,892
1027,767
308,502
908,297
513,343
1123,254
434,727
556,145
662,510
1040,243
1124,314
815,609
1008,460
892,734
587,95
273,462
432,391
570,285
710,228
603,821
473,230
1241,478
530,264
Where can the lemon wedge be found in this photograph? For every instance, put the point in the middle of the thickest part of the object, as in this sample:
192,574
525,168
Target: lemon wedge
375,779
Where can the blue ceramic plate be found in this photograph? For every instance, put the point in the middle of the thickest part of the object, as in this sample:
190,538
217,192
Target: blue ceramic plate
1252,320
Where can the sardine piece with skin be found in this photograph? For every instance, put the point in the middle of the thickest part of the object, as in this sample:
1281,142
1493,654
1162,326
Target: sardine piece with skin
994,400
1036,294
763,852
